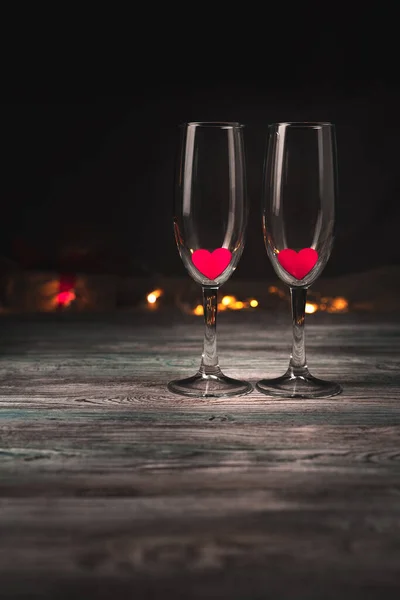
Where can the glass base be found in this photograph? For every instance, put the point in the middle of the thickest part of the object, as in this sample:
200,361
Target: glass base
298,386
210,386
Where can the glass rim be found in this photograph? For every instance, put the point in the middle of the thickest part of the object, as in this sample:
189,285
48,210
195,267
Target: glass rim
305,124
216,124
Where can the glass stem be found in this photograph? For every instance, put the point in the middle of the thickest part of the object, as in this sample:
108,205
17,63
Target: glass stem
298,363
209,360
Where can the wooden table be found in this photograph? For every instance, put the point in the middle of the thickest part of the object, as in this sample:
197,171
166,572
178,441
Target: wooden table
111,487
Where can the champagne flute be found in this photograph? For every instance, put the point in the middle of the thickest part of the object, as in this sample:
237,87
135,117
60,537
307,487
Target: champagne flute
299,189
209,222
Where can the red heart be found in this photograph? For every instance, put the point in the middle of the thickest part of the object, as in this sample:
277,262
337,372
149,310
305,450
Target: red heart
300,263
211,264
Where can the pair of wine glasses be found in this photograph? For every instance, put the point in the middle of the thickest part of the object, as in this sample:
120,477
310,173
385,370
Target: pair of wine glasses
210,220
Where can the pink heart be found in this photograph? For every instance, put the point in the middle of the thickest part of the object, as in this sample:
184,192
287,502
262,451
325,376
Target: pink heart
300,263
211,264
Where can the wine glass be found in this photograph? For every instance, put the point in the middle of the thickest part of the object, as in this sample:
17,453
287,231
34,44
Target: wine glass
299,189
210,219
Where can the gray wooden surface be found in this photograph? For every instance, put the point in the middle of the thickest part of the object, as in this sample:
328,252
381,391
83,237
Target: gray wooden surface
110,487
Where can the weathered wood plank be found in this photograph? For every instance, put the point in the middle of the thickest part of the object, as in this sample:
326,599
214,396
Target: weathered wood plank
111,486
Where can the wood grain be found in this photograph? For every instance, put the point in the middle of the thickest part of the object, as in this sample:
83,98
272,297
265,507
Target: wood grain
110,486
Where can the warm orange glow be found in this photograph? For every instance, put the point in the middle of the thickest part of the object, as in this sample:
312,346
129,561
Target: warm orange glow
338,304
198,310
311,308
65,298
236,305
328,304
153,296
275,290
230,304
228,300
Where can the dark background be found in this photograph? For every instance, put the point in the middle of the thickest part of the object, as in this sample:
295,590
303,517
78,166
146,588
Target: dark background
87,180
